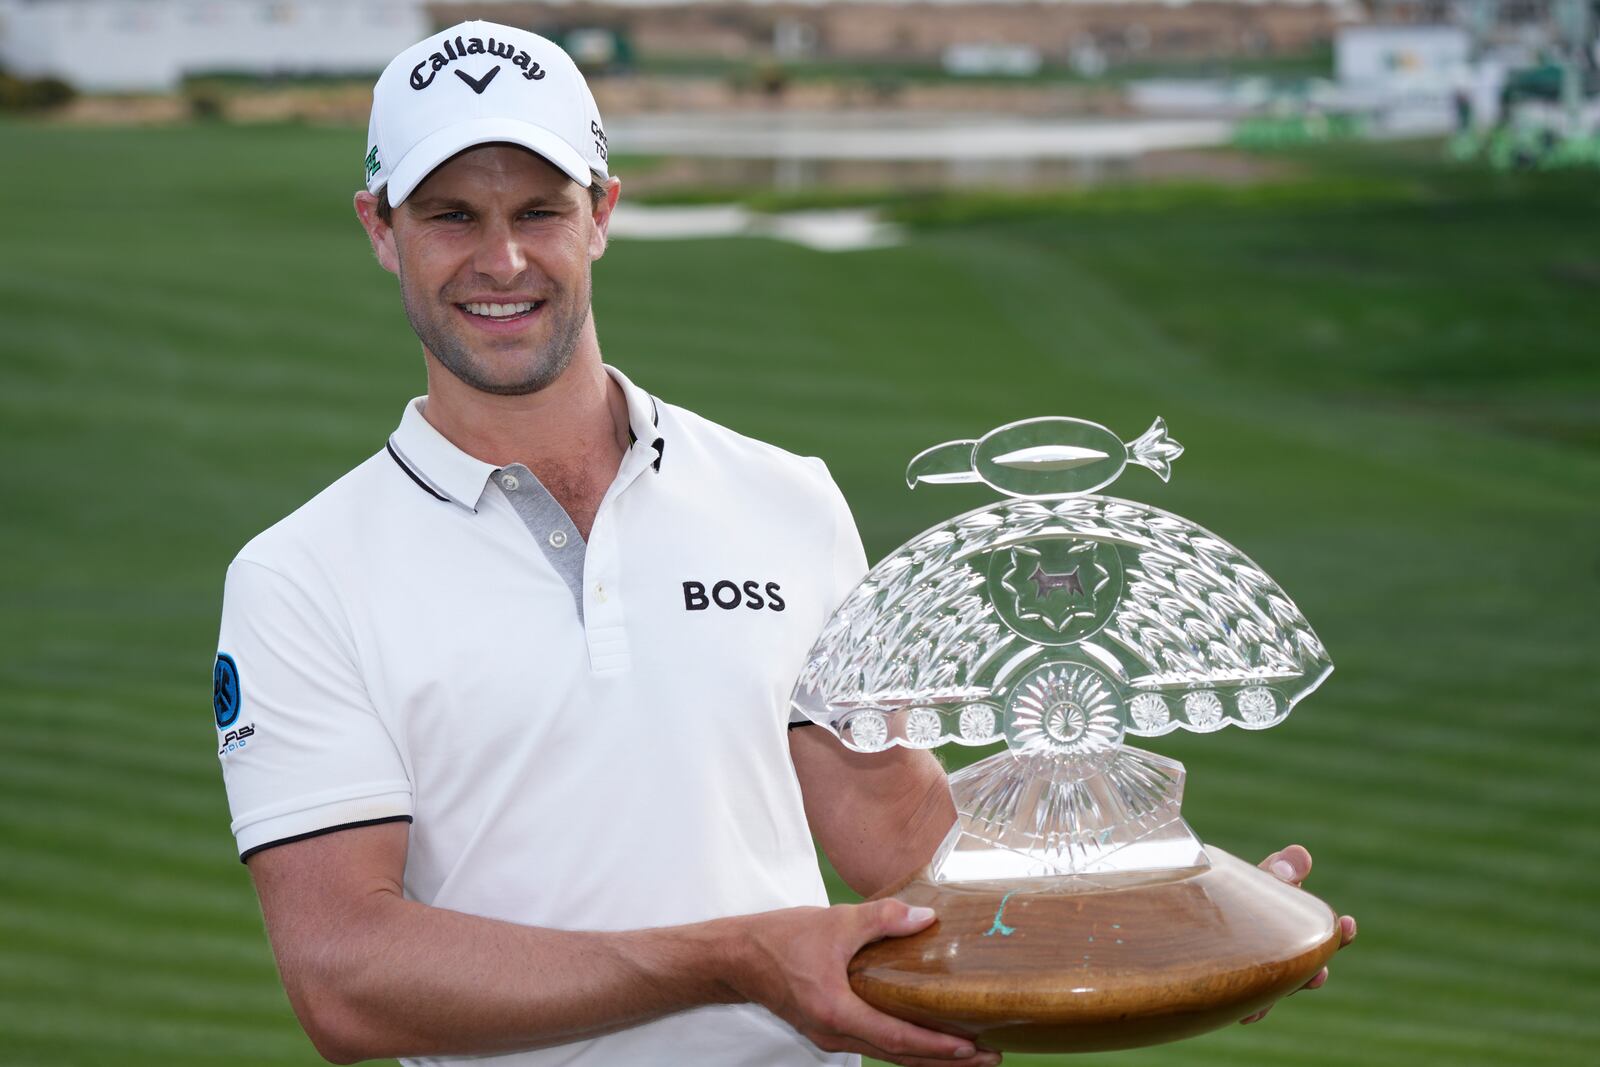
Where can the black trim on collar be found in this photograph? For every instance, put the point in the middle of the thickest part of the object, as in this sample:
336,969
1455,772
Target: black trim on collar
426,488
797,725
660,443
247,853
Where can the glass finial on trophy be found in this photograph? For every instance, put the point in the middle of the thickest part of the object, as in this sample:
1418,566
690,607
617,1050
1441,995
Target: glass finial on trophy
1062,622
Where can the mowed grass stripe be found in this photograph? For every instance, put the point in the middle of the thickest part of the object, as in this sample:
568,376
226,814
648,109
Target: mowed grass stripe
126,837
92,1038
174,724
117,750
106,933
45,783
163,991
116,834
54,877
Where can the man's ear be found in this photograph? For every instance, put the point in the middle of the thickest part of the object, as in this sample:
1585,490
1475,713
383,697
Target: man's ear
380,233
602,217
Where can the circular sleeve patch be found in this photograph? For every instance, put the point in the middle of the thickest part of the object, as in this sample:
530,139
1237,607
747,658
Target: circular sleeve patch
225,690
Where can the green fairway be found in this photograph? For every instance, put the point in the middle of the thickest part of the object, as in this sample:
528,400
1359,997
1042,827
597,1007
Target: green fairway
1385,374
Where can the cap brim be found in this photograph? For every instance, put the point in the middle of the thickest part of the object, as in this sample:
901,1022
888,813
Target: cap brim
440,145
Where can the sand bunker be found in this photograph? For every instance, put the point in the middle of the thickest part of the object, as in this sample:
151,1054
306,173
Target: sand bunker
845,230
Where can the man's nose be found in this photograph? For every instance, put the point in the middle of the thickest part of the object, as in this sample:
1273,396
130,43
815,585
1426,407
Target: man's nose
500,257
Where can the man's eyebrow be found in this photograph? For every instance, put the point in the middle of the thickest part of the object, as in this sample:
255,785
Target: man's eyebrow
445,203
437,203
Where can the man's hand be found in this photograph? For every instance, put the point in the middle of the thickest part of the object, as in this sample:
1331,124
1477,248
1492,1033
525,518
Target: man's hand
1292,865
795,966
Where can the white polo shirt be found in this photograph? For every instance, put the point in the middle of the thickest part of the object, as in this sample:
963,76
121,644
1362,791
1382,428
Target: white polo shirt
583,736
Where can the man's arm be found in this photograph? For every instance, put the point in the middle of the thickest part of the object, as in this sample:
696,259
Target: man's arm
370,973
879,816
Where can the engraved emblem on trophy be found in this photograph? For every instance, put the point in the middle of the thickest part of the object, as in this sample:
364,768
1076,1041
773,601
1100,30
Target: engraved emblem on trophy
1077,909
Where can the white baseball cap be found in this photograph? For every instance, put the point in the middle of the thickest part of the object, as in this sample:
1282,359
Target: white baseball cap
472,84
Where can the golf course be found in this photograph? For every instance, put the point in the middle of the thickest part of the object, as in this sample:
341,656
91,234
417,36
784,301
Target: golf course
1384,367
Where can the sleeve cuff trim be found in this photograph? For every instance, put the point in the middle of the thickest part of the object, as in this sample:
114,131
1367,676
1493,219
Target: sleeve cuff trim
247,853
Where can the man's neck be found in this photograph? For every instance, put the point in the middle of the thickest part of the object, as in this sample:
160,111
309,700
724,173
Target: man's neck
573,432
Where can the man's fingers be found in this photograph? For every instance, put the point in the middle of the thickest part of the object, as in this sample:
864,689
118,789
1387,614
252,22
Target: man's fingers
979,1058
1347,925
1291,864
1317,981
899,1038
976,1057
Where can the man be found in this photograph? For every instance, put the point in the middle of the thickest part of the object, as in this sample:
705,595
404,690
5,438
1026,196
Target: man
503,712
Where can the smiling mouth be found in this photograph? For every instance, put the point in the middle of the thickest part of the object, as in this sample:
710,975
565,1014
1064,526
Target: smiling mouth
502,312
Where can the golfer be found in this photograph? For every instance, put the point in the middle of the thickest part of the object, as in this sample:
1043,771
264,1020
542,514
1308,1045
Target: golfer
503,712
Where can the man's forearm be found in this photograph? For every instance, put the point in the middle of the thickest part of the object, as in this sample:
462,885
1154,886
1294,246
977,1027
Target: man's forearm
403,978
371,973
878,816
907,835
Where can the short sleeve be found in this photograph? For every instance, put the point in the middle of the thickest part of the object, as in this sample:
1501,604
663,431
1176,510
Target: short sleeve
303,750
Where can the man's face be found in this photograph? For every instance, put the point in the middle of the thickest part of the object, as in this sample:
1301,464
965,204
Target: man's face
493,251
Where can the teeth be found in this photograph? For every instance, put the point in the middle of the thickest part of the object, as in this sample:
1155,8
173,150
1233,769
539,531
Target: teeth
500,311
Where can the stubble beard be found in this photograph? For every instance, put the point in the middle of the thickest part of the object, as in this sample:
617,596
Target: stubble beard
566,310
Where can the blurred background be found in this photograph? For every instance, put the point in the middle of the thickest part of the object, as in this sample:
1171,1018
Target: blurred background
1350,250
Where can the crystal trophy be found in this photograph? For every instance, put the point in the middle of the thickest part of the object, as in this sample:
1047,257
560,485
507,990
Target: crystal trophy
1077,909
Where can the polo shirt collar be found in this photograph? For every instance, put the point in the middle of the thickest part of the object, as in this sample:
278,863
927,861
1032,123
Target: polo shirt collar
644,416
445,472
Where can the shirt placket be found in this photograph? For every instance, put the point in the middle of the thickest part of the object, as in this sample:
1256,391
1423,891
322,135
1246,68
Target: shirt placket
550,526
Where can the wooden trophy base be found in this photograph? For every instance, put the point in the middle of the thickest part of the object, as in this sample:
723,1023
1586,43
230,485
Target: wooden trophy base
1078,965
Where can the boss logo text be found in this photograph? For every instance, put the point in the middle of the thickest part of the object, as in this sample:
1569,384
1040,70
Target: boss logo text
729,595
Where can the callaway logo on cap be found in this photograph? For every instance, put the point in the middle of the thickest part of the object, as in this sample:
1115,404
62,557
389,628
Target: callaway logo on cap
476,83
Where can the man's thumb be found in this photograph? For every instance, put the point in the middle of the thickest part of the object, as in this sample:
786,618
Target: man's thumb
896,918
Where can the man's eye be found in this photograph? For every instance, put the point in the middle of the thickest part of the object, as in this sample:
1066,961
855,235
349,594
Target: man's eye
451,216
537,214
